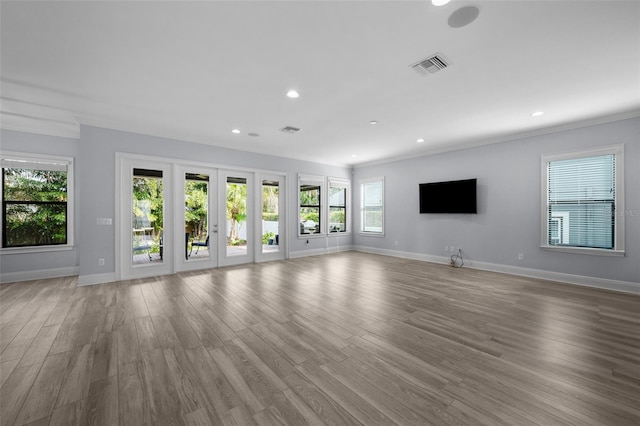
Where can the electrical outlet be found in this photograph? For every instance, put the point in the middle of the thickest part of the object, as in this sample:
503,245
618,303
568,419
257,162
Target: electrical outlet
453,249
395,242
446,248
101,262
520,256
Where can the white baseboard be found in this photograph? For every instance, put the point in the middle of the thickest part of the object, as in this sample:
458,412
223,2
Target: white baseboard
38,274
602,283
403,254
97,278
315,252
581,280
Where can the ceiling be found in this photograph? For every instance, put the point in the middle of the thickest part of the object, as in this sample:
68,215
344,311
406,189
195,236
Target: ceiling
194,71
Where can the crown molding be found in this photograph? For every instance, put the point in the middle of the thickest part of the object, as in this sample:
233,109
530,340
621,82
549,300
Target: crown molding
512,137
32,117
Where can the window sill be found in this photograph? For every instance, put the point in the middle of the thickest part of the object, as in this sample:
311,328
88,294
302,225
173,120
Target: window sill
35,249
307,236
338,234
371,234
585,250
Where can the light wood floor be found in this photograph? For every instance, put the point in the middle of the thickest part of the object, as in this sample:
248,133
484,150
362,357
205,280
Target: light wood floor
341,339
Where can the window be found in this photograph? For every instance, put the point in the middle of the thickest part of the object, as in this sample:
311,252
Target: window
372,206
310,198
338,200
36,200
581,198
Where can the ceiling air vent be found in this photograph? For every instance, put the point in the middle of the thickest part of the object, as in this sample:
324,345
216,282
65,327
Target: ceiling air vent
289,129
431,65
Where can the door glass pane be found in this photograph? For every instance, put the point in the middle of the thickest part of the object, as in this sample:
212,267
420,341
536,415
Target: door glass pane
196,216
147,217
270,217
236,216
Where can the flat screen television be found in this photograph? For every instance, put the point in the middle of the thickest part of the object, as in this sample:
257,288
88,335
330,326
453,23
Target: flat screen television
457,196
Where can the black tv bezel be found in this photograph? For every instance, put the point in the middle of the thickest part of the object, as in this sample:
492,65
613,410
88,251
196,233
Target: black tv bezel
448,210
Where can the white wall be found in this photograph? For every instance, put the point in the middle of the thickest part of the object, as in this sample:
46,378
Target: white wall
51,263
508,222
509,213
97,155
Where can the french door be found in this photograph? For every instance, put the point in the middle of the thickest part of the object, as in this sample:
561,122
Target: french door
146,219
236,244
177,217
196,234
270,210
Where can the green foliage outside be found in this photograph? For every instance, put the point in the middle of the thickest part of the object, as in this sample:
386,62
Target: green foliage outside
310,196
270,199
337,220
148,205
40,215
196,208
309,214
236,209
337,217
268,236
270,217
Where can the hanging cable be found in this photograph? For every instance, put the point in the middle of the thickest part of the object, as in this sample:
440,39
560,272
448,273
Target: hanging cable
456,260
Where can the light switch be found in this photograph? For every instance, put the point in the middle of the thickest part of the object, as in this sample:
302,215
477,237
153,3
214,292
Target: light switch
104,221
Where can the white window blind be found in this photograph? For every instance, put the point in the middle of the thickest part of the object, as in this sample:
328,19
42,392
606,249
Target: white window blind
30,164
372,206
581,200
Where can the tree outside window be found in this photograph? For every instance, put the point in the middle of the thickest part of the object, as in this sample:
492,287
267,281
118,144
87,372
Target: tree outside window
338,200
310,209
35,202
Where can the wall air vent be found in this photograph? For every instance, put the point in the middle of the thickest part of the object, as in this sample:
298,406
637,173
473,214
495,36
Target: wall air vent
290,129
431,65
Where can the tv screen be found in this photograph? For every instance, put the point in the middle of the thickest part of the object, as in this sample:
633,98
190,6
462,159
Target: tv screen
458,196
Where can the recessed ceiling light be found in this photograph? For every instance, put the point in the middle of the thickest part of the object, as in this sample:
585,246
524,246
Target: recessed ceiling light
293,94
420,140
236,131
537,114
353,156
373,122
439,2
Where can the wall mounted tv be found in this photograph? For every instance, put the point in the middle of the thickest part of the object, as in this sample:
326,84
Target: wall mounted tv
456,196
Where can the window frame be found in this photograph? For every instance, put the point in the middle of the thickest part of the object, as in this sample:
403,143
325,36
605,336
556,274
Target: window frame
346,185
361,229
319,181
70,207
618,212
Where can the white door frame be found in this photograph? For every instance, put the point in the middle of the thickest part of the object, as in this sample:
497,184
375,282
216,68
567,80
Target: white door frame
282,216
181,262
173,228
224,259
125,269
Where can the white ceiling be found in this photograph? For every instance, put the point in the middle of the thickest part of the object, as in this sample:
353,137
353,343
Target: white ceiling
195,70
